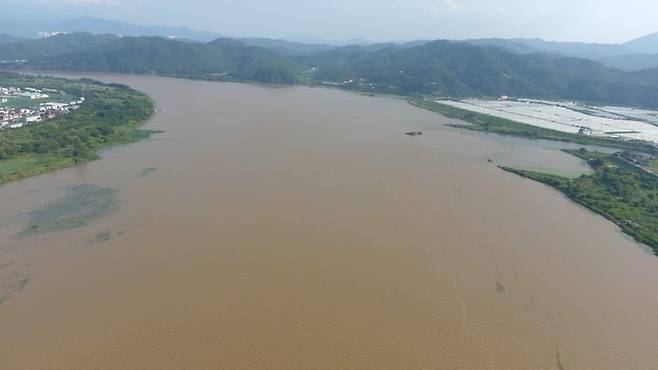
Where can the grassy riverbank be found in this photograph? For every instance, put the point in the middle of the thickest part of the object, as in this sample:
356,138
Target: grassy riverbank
624,192
618,190
486,123
111,115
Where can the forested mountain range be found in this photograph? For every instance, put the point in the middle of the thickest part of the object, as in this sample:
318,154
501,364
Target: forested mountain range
52,46
445,68
222,59
438,68
37,29
634,55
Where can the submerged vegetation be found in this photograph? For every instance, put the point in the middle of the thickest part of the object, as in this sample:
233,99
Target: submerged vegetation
618,190
110,115
81,205
12,283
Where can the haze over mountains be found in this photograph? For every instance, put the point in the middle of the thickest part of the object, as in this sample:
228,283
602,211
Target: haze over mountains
36,29
608,73
637,54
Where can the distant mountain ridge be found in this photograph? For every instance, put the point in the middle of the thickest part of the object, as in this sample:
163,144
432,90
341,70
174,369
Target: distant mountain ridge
490,67
631,56
458,69
646,44
222,59
35,29
285,47
52,46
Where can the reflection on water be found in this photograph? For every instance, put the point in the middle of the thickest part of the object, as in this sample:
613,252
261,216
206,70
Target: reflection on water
300,228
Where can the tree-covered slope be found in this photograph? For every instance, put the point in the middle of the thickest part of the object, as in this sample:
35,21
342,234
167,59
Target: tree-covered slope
439,68
52,46
221,59
460,69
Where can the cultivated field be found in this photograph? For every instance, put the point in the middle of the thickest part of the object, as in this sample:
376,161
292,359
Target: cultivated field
617,122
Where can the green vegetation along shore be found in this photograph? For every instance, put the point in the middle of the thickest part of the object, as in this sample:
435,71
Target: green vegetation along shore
618,190
622,188
486,123
110,115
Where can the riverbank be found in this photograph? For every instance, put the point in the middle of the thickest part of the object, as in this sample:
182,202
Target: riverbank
111,115
619,191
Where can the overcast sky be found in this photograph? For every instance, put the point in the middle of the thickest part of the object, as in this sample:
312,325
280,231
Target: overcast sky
374,20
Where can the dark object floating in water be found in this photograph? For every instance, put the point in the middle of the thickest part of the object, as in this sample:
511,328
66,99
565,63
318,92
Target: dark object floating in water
489,160
418,133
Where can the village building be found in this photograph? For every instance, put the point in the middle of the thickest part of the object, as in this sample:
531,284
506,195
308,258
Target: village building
12,117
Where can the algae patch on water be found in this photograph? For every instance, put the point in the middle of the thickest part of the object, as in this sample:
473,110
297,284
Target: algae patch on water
81,205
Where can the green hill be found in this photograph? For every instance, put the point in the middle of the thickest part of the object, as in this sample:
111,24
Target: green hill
222,59
439,68
444,68
52,46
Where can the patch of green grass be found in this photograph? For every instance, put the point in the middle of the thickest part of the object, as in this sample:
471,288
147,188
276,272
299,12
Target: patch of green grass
22,102
653,166
31,165
554,171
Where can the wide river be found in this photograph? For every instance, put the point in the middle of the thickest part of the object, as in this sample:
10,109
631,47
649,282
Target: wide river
300,228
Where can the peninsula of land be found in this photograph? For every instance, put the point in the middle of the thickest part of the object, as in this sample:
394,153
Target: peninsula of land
43,136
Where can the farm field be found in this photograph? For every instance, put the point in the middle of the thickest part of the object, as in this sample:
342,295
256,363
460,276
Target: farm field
570,118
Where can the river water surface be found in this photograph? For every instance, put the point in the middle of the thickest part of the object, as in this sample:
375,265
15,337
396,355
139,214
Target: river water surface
300,228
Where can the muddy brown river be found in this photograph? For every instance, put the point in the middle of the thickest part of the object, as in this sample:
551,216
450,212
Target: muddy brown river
299,228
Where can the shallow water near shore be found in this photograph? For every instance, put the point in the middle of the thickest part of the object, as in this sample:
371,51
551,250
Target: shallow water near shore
300,228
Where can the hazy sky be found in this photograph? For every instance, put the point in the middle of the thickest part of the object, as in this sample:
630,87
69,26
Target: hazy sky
375,20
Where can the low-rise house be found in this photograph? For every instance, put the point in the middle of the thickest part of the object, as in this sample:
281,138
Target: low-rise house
20,116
